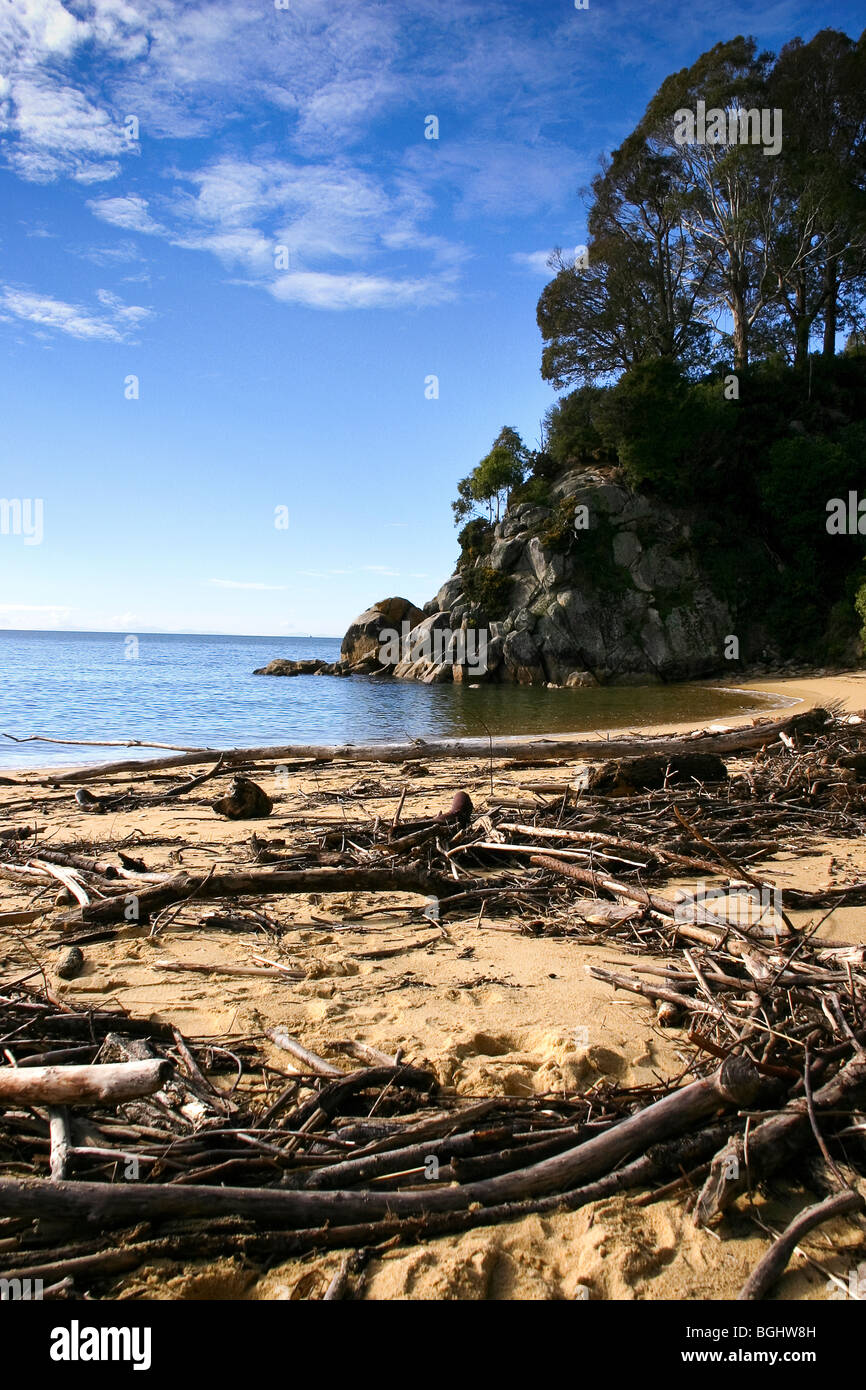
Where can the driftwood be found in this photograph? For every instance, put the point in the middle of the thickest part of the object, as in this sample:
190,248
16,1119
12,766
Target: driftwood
658,1161
109,1083
624,776
518,746
325,1158
187,886
736,1083
772,1266
773,1142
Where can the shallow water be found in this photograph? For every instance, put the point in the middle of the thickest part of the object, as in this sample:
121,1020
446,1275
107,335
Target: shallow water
200,691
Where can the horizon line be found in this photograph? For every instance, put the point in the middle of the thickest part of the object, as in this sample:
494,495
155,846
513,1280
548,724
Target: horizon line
163,632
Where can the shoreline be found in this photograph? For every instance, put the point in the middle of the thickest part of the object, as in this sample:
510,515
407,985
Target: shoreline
847,689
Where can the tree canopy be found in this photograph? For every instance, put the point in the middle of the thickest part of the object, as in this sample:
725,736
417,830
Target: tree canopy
736,243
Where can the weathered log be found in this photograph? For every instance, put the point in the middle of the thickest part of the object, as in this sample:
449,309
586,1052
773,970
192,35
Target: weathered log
626,775
519,746
660,1160
773,1142
259,881
772,1265
107,1083
736,1083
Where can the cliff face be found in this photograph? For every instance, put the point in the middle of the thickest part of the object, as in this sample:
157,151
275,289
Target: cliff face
601,585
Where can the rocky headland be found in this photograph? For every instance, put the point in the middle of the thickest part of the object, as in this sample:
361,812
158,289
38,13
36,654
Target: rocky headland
601,584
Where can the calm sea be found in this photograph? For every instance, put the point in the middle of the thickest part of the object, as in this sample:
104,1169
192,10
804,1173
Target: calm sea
201,691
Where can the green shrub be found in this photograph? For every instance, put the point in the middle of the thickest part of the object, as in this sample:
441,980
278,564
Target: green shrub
488,590
663,429
534,490
475,539
558,532
572,436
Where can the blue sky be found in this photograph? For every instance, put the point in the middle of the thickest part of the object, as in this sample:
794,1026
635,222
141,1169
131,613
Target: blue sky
155,155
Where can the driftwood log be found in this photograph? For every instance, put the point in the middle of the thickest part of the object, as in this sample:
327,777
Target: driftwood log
774,1142
108,1083
772,1265
519,746
257,881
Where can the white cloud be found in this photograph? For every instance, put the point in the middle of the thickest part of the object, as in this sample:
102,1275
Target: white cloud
318,290
244,584
537,262
45,312
57,130
129,212
257,213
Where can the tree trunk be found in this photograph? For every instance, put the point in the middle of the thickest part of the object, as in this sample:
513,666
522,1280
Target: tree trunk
520,746
741,338
831,286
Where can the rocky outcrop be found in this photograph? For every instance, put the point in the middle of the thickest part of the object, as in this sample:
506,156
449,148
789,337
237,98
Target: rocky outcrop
310,667
599,585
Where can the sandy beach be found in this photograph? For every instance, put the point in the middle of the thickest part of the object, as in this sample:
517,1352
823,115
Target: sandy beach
489,1009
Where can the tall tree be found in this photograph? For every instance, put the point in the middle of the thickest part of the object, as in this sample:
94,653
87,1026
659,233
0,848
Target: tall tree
723,186
636,297
818,230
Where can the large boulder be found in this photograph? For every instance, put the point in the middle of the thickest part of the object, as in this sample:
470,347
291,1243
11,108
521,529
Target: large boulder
363,639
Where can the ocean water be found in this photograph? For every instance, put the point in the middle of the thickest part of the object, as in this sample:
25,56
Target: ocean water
200,691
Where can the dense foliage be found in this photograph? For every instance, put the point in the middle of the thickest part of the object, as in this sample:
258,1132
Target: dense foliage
729,247
699,333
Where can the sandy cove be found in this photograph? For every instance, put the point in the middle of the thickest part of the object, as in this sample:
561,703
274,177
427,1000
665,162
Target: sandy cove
488,1009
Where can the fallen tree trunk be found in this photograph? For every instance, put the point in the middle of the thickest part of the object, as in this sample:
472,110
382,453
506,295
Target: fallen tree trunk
736,1083
106,1083
258,881
519,746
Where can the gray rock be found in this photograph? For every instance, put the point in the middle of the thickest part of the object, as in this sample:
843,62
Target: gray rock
363,637
71,963
645,611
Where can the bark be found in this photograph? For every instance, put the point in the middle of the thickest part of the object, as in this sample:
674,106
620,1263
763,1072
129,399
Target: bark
257,881
107,1083
773,1142
772,1266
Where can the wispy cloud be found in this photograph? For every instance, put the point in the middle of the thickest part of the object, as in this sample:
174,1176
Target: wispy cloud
284,225
129,212
115,324
537,262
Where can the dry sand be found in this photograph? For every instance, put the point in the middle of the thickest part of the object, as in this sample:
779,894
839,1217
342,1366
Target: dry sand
489,1009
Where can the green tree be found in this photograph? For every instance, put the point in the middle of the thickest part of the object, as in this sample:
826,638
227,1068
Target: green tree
490,482
723,189
817,218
